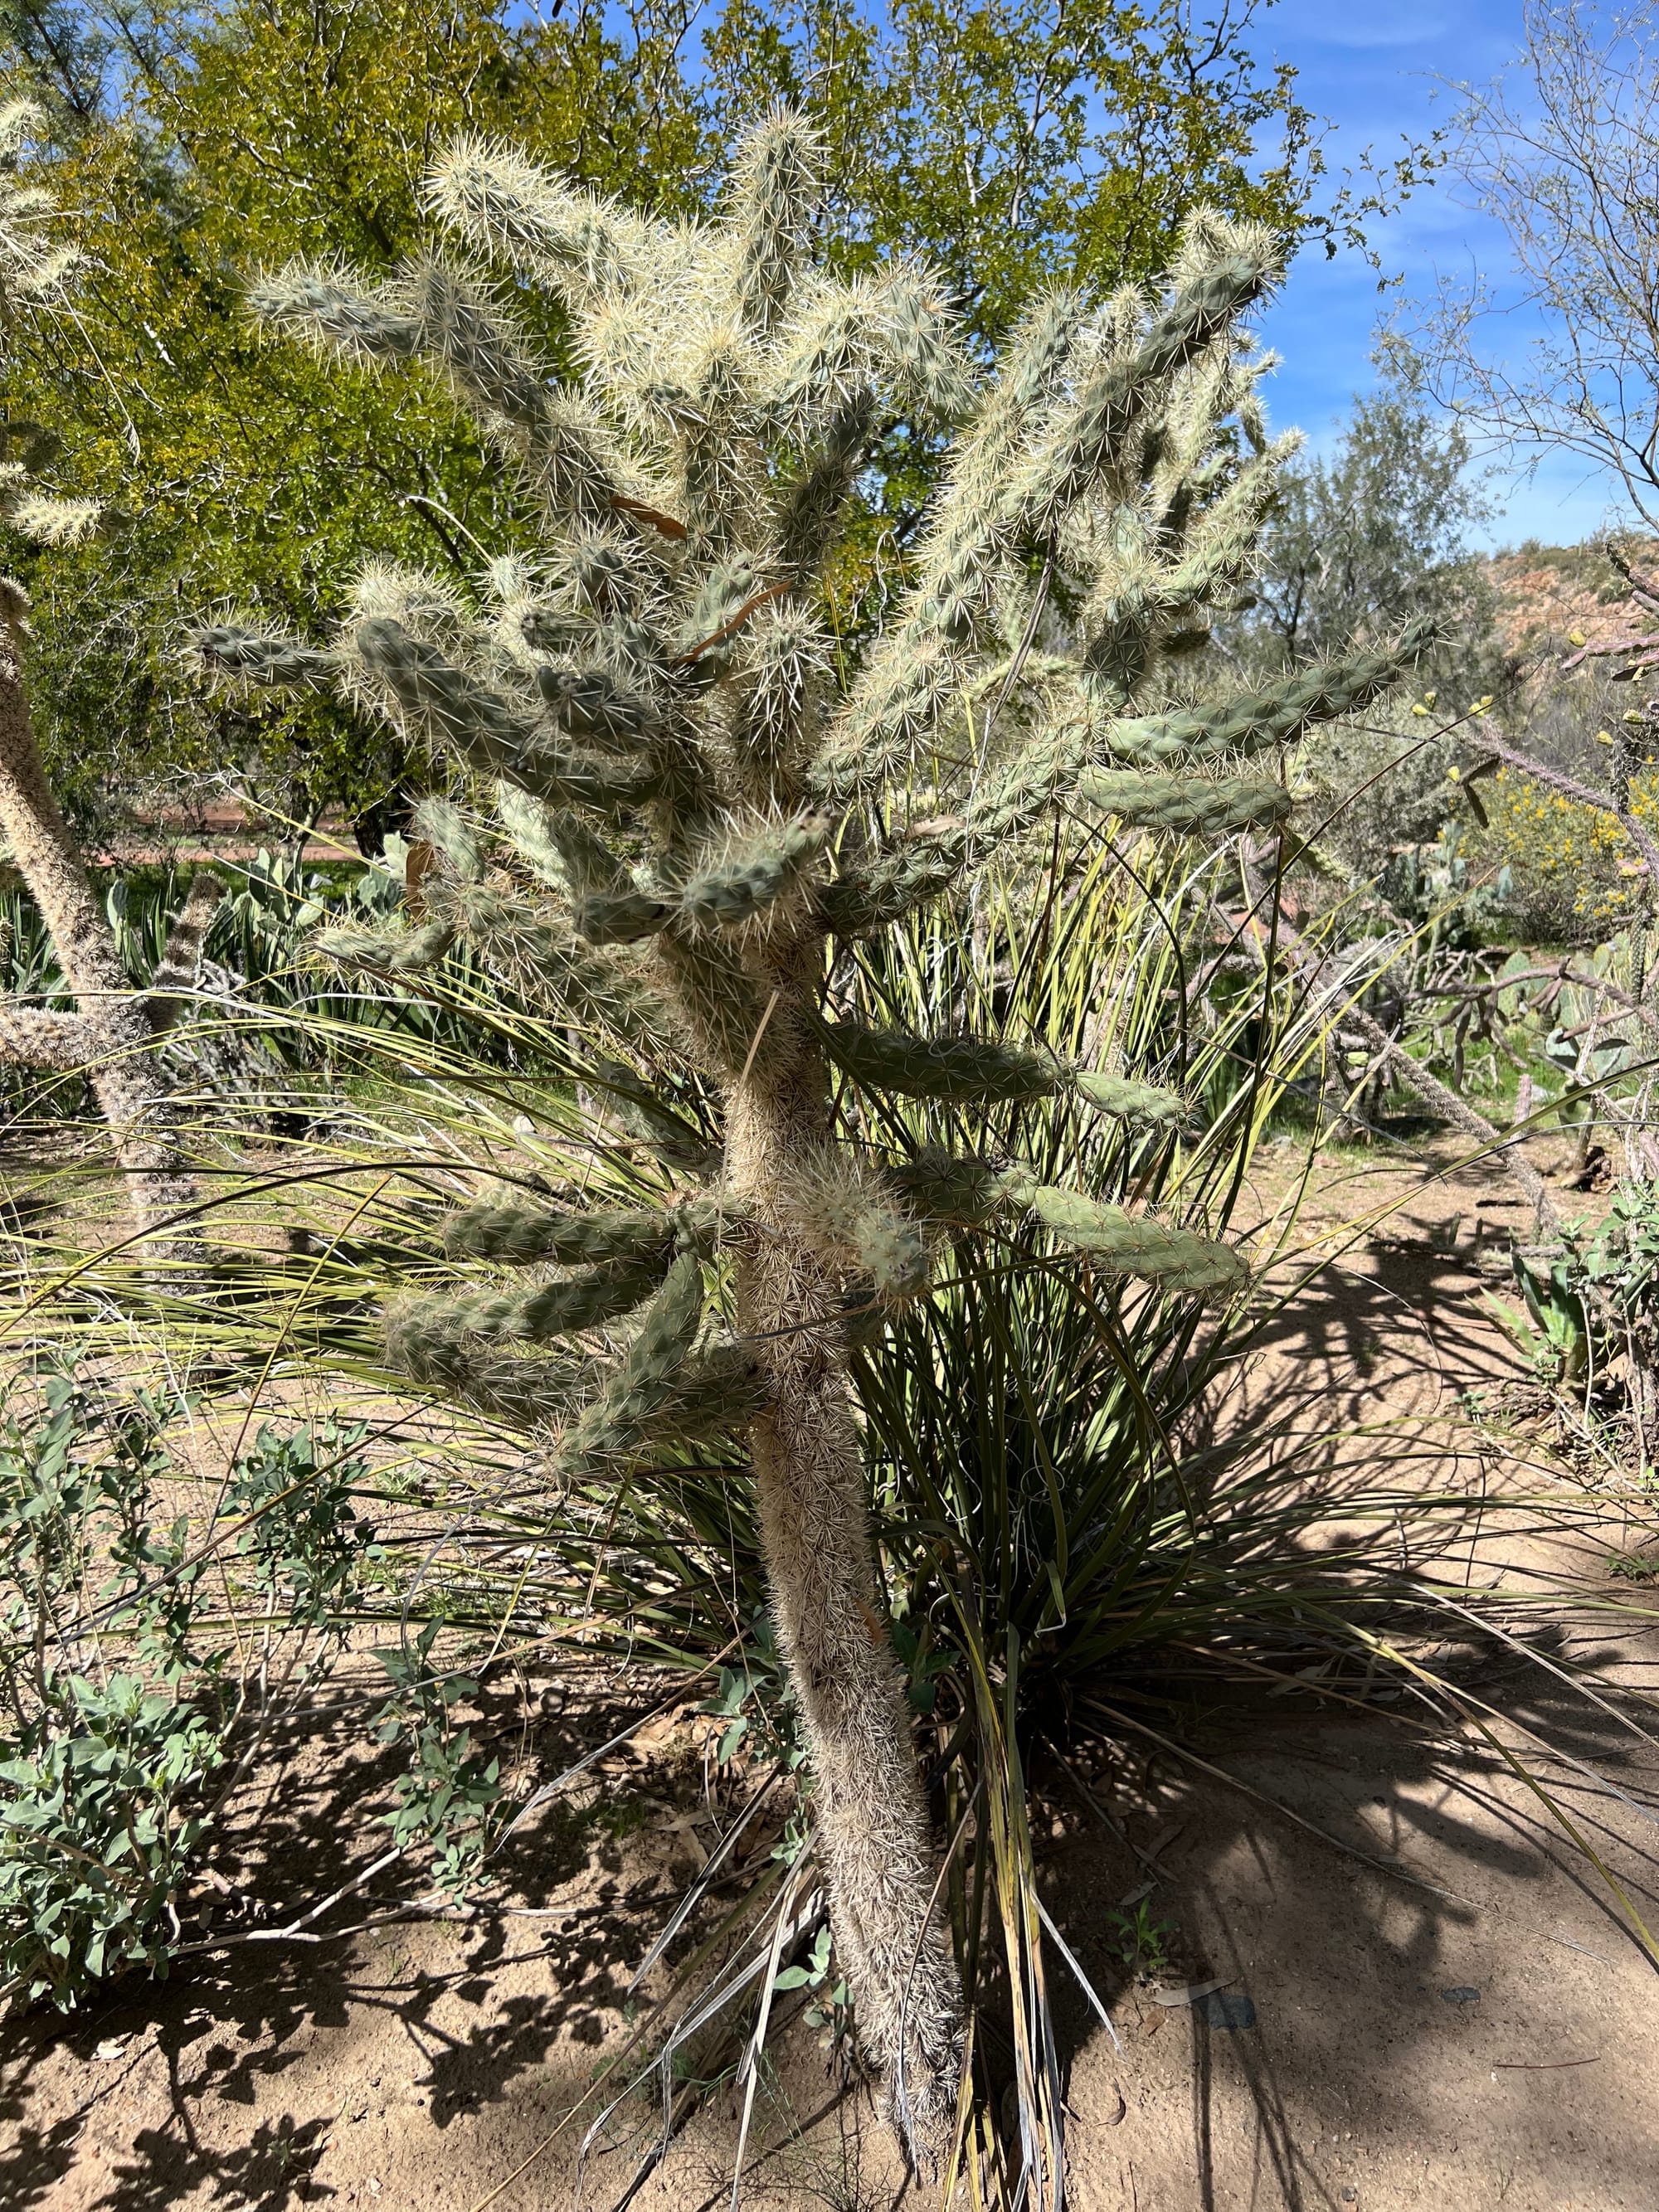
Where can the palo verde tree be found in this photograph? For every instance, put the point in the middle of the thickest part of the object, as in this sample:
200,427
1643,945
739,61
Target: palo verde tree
689,822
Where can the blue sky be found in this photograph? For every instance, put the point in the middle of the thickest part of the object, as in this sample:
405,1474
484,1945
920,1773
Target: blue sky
1377,69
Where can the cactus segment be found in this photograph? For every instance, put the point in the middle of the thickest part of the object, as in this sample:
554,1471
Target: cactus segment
961,1068
1188,806
385,951
1122,1244
757,872
1252,721
520,1233
561,1308
1149,1103
621,917
617,1422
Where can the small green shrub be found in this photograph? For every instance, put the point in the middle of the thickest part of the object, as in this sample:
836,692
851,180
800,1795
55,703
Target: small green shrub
451,1793
123,1703
303,1544
100,1768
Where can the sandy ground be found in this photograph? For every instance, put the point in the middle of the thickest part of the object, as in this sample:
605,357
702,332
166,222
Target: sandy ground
1449,2011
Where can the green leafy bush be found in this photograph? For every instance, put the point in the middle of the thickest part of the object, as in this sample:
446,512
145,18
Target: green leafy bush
99,1770
123,1705
450,1792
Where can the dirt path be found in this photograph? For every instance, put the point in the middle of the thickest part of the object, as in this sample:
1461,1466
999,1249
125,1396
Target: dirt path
1448,2012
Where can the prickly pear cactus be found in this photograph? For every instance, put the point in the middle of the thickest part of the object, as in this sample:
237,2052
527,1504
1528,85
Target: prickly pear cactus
688,813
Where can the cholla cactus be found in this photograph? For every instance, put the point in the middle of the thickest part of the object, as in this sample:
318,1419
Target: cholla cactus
110,1036
691,815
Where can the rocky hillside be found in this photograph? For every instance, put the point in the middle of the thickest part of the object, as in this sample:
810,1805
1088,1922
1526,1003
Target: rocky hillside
1547,594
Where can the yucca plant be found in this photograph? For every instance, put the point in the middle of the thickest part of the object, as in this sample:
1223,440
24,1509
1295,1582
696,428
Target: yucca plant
701,830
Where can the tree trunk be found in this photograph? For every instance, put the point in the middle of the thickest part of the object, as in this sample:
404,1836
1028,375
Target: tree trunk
890,1930
131,1092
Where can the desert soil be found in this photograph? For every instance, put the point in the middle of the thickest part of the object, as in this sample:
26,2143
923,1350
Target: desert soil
1426,1996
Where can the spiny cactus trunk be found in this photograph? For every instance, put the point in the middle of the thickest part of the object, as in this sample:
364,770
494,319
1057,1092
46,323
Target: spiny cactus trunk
871,1821
109,1037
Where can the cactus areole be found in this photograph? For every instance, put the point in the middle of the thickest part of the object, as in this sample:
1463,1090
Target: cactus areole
691,810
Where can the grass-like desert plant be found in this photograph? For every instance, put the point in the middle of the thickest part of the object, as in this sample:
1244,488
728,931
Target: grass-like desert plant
705,830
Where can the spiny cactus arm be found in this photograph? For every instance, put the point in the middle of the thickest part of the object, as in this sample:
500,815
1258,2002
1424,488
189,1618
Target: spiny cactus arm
559,846
397,952
455,713
810,509
321,306
730,593
578,475
431,313
621,917
181,956
916,676
949,1189
557,1309
599,576
589,703
57,520
517,1231
1221,545
1186,805
464,329
978,1069
594,992
454,843
501,203
782,670
776,187
964,1068
32,1037
1152,1105
230,652
871,895
755,870
856,1223
1276,715
1091,434
619,1420
511,1387
1122,1244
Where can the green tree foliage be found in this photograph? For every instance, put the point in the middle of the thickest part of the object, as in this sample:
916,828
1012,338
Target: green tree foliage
225,141
1378,533
198,145
1375,535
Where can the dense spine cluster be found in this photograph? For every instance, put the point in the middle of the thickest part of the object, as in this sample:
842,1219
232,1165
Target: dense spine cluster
688,820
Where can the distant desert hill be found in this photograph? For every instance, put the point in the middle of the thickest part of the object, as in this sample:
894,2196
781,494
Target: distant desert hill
1546,592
